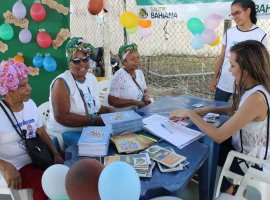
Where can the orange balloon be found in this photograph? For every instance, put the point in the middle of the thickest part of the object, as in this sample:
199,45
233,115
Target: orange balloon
95,6
145,23
18,58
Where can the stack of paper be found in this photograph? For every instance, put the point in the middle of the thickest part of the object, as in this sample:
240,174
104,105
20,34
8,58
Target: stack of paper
94,141
123,121
173,133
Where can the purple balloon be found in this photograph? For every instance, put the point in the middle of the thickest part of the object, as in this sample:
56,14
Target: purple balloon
209,36
19,10
25,36
212,21
144,32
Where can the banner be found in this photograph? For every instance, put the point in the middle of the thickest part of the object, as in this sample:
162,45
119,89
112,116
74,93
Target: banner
186,9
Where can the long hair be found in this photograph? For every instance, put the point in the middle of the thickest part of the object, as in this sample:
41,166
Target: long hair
253,59
245,4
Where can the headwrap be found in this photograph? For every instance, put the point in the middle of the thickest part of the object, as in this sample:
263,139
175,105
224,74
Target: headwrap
11,75
125,49
78,44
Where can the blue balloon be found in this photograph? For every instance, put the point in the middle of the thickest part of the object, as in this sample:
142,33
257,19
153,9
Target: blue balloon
197,42
49,63
38,60
119,181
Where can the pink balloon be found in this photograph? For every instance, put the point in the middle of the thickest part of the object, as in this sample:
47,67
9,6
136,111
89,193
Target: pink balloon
144,32
208,36
212,21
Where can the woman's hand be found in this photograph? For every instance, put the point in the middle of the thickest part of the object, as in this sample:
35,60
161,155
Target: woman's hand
13,177
140,104
184,113
58,159
146,99
213,85
202,111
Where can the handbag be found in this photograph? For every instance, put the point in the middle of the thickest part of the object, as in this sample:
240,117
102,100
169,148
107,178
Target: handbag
242,163
37,150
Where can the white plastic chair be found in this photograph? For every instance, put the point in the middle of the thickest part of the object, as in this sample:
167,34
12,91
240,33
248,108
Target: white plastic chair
23,194
254,178
103,90
166,198
44,110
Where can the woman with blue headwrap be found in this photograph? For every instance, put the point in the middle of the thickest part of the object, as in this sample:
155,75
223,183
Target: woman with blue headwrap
74,94
128,88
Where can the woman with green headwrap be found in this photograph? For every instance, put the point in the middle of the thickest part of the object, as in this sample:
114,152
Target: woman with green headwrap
128,88
74,94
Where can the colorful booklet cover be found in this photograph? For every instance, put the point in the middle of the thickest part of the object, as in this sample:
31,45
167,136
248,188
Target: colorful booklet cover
120,117
129,142
94,135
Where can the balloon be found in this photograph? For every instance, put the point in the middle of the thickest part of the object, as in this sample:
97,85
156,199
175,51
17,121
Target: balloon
129,19
37,12
195,25
6,31
38,60
216,42
19,58
49,63
145,23
82,180
119,181
212,21
95,6
53,182
144,32
25,36
19,10
131,30
44,40
208,36
197,42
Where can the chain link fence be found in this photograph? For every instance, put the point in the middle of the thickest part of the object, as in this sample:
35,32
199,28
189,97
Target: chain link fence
171,66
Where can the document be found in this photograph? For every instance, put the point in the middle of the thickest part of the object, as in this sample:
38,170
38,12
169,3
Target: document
177,135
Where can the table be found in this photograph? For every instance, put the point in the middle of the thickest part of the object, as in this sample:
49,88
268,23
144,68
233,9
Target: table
162,184
167,104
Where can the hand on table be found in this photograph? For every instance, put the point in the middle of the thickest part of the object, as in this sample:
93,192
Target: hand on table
183,113
13,177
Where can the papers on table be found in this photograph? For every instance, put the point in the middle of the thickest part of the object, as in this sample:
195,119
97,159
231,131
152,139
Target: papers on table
123,121
173,133
94,141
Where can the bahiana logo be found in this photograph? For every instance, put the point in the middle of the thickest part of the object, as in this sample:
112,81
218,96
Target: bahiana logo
143,13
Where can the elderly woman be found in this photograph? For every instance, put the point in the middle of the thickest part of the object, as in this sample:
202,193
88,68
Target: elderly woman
128,88
16,164
74,94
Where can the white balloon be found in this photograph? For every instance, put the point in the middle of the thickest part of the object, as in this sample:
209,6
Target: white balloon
19,10
53,182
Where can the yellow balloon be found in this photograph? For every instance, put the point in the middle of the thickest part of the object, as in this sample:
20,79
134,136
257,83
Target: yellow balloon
216,42
129,19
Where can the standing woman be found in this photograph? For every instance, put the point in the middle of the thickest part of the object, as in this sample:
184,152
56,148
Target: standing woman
250,66
243,12
15,162
128,87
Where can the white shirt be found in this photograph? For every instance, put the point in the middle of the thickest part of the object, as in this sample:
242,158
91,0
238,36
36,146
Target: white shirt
76,102
254,133
12,147
123,86
232,37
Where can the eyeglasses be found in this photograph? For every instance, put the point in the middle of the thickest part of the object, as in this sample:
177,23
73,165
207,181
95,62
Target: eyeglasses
235,14
77,60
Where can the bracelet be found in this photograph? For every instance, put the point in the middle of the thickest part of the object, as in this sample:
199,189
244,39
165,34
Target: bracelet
92,119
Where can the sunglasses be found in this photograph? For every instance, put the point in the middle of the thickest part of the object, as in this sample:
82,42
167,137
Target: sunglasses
77,60
236,13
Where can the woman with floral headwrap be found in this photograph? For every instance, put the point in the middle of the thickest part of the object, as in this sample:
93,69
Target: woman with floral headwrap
128,87
74,94
16,164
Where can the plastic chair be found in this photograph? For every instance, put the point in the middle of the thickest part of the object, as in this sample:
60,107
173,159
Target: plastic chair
103,90
166,198
23,194
253,177
44,110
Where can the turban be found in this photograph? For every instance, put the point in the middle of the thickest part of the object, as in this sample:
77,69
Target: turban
125,49
78,44
11,75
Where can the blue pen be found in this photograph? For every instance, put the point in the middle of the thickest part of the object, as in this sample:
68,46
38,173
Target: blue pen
166,128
